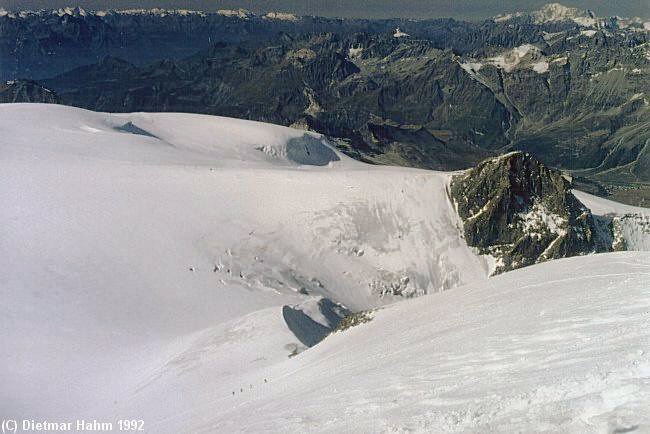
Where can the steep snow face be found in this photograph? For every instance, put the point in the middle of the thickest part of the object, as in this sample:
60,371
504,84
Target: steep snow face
133,244
556,347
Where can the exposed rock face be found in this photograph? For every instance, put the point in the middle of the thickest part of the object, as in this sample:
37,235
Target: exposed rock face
26,91
521,212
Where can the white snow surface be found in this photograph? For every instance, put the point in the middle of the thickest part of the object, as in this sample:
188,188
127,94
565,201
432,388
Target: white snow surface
129,238
146,259
556,347
541,67
601,206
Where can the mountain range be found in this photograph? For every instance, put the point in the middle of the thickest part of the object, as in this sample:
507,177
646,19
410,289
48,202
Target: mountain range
564,85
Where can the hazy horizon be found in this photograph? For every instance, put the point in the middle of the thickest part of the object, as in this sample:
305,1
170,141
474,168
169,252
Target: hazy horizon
460,9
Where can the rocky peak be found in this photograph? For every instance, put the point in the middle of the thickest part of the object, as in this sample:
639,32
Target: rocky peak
521,212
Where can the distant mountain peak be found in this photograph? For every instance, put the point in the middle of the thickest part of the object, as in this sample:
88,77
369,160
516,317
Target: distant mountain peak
554,12
557,12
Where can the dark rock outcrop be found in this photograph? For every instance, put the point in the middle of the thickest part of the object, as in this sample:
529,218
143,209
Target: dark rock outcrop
521,212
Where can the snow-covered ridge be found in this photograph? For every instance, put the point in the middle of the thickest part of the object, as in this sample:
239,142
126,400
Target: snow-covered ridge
507,17
556,13
156,12
553,12
81,12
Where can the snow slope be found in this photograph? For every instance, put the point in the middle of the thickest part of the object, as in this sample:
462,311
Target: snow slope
151,265
557,347
130,239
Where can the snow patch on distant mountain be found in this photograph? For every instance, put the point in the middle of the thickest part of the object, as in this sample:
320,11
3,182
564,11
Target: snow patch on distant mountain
541,67
511,59
553,13
282,16
507,17
355,52
400,34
